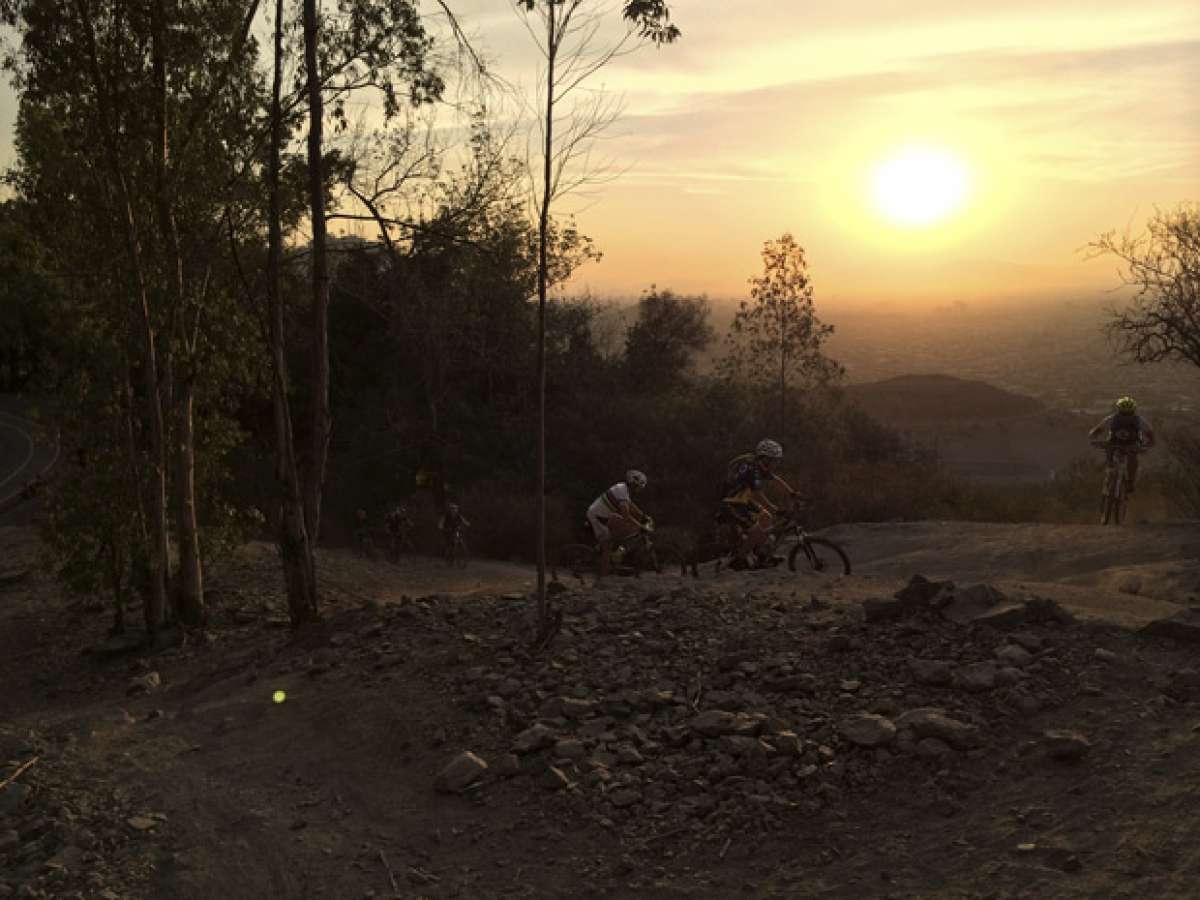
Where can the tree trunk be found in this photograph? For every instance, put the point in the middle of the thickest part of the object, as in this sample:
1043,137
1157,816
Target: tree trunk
543,228
156,601
321,419
295,548
189,599
156,597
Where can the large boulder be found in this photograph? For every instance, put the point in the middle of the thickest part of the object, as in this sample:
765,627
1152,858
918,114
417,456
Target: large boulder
920,593
460,773
1183,626
985,605
536,737
867,730
932,722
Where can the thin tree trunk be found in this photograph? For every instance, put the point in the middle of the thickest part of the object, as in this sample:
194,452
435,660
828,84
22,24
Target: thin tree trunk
295,548
543,228
155,601
321,419
189,599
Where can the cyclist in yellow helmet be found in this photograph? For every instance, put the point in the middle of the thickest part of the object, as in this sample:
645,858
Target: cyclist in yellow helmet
1126,429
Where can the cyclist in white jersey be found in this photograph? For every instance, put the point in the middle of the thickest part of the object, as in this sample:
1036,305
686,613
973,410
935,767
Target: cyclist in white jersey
614,516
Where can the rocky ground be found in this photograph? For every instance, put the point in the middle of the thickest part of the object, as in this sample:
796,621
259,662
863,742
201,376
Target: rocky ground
762,734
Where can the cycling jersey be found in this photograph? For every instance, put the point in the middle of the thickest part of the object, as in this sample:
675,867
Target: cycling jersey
609,503
606,505
1125,428
744,476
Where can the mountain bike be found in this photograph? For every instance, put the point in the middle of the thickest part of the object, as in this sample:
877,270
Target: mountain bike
457,552
398,543
808,553
1114,498
365,542
632,556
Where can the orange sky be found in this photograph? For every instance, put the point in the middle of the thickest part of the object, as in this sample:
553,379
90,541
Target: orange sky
1066,117
1070,118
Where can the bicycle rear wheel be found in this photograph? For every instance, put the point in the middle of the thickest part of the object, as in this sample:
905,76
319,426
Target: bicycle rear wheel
667,558
819,555
577,560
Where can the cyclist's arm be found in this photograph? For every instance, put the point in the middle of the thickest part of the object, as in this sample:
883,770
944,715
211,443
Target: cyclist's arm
787,487
629,510
764,501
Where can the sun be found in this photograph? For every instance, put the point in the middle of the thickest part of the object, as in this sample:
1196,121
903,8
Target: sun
919,186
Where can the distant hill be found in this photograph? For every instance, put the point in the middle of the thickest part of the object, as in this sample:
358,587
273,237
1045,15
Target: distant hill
923,399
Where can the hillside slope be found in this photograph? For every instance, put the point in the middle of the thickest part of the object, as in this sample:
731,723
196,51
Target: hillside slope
921,399
682,737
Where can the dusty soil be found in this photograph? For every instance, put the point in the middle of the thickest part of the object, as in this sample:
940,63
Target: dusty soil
711,738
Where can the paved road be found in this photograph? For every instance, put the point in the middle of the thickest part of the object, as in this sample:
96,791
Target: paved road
23,454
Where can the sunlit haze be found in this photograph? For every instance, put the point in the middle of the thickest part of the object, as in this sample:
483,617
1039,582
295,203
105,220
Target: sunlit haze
929,150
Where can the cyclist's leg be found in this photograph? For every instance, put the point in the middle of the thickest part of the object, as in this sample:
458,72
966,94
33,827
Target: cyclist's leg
603,541
758,534
621,528
1131,471
742,515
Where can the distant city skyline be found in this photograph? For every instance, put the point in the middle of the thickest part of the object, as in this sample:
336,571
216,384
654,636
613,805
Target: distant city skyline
931,150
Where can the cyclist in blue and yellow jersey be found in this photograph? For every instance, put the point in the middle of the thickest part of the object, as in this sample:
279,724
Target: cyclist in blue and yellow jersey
1125,429
744,503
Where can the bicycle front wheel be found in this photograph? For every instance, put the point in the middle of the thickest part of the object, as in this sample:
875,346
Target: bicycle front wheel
819,555
1110,500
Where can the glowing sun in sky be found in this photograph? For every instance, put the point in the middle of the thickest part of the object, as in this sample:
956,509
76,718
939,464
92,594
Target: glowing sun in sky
920,186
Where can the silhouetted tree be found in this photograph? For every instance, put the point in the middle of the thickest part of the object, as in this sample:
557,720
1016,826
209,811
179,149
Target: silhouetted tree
1163,320
662,343
776,339
572,56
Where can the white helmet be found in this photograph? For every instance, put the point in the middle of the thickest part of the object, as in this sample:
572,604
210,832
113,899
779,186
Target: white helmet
635,479
769,448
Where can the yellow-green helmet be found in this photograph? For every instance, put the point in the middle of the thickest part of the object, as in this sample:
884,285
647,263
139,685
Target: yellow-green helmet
1126,405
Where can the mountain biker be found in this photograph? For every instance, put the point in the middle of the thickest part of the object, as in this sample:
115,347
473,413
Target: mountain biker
614,516
450,524
399,525
361,532
1127,430
398,521
745,505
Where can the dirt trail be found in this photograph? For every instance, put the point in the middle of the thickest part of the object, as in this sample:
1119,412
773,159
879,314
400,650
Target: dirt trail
204,787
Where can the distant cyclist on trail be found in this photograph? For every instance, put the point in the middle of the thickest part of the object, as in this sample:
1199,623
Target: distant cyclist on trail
614,516
745,505
398,522
1125,429
451,522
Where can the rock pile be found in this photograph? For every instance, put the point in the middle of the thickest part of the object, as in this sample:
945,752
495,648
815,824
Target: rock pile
705,711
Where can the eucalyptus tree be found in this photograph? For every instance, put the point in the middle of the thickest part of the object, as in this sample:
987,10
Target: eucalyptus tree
87,72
